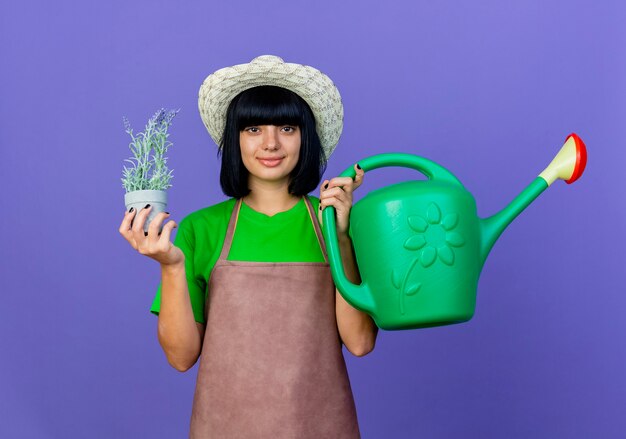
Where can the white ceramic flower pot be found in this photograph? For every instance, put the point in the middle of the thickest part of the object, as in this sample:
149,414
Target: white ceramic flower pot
139,199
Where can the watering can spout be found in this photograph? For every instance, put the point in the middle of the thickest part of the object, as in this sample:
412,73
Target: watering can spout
568,165
491,228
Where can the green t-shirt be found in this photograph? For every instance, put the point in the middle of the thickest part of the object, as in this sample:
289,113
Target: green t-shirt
284,237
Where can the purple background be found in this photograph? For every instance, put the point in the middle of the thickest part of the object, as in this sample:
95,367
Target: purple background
489,89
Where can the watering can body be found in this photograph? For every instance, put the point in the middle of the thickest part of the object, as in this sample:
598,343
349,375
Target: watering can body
420,246
417,246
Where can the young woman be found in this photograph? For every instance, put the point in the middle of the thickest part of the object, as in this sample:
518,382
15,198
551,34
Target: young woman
246,286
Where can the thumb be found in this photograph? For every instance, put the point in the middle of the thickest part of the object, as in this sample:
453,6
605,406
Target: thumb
358,178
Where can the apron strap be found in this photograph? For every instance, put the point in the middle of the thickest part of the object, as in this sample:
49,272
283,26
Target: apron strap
228,240
316,225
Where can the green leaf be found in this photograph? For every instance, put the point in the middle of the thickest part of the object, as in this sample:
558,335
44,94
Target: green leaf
395,278
413,289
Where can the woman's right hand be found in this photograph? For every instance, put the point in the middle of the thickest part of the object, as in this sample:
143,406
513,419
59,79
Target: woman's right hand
154,245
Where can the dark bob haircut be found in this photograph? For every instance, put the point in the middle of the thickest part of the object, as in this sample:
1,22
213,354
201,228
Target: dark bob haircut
270,105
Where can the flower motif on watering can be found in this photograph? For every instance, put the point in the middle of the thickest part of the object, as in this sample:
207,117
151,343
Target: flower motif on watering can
436,236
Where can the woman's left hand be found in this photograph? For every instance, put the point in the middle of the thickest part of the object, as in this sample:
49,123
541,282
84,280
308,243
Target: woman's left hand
338,193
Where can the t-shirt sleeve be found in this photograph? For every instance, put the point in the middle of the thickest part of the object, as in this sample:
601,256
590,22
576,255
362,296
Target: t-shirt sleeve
185,240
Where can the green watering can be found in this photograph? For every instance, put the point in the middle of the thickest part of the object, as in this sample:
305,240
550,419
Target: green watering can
420,247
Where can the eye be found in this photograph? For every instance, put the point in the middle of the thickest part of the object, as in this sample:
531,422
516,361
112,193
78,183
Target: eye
289,129
252,129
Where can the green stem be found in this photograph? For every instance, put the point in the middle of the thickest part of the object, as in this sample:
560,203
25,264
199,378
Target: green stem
406,278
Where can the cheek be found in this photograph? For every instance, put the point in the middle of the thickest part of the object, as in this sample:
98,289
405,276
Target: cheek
245,160
296,149
247,151
249,161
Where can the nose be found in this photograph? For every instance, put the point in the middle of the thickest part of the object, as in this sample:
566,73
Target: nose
271,138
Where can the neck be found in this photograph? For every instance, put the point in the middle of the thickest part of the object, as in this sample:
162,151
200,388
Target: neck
270,199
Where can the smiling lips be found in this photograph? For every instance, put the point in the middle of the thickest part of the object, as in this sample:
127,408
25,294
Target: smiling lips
271,162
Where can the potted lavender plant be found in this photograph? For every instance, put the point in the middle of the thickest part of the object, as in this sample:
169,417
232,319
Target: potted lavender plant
147,181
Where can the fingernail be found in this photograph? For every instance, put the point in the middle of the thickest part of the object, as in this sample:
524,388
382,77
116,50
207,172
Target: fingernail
145,233
167,213
326,186
358,167
320,207
147,205
131,209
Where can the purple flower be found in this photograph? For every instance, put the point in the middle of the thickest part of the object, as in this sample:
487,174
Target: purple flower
158,117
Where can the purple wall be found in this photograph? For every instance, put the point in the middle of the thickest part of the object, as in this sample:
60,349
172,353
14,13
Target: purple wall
488,89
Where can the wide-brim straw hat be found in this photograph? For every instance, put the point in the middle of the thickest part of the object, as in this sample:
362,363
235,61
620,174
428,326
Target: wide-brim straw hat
317,89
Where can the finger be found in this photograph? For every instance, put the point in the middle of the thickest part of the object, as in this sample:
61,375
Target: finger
328,201
323,186
340,204
125,227
340,181
141,216
167,231
358,178
338,192
126,222
343,183
155,226
138,223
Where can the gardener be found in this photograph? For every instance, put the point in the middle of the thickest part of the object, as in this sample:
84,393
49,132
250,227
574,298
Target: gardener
247,283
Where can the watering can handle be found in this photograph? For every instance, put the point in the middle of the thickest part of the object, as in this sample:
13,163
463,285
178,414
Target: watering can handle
360,296
429,168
